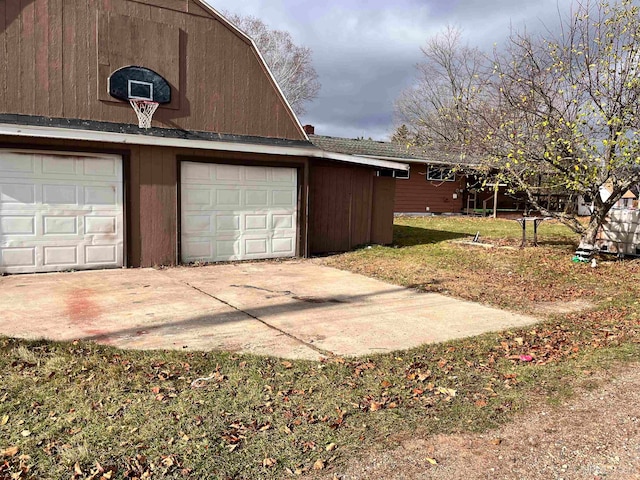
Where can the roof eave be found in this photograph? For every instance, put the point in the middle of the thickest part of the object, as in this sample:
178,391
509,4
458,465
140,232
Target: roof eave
31,131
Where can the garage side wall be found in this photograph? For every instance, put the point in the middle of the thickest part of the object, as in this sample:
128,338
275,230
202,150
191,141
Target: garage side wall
340,207
384,190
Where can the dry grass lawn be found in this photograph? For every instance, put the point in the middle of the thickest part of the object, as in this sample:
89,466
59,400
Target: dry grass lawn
84,411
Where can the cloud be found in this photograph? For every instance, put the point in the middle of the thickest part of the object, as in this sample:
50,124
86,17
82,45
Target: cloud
365,52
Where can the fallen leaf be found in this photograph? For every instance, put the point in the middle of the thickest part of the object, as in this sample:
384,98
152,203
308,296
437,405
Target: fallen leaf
330,447
447,391
432,461
268,462
25,433
264,428
375,406
496,441
76,469
385,384
4,420
287,364
10,452
318,465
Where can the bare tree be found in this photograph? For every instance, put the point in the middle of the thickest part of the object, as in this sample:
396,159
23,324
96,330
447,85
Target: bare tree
290,64
560,112
450,78
567,109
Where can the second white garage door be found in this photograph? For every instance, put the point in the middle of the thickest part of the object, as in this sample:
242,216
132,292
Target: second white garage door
235,212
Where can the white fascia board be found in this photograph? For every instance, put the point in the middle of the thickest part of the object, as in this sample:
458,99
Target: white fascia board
31,131
369,161
205,5
417,160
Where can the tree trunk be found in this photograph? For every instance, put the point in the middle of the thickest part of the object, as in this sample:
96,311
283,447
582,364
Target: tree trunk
588,239
590,234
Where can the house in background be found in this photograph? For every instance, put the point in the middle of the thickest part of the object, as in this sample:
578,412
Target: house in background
430,186
225,173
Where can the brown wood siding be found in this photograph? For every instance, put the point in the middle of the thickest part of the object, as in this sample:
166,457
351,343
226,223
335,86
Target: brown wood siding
340,207
50,67
384,189
151,191
417,193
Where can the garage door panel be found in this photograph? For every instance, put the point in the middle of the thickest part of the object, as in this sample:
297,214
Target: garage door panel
256,198
100,254
53,225
197,199
11,162
256,221
61,256
100,225
60,194
17,194
194,172
282,221
283,245
101,167
283,198
287,176
18,257
225,173
17,225
227,198
253,214
62,217
227,223
52,166
227,250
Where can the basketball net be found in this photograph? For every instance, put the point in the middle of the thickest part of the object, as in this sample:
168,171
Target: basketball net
144,110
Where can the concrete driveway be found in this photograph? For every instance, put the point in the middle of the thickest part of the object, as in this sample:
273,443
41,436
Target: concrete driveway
291,309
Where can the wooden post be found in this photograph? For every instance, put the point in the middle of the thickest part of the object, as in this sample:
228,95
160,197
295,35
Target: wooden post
495,200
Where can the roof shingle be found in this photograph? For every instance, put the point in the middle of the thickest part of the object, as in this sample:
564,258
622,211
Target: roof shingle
387,150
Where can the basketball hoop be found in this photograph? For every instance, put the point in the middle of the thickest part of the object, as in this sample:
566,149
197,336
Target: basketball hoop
144,110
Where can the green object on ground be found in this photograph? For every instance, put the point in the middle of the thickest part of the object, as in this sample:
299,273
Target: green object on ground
578,259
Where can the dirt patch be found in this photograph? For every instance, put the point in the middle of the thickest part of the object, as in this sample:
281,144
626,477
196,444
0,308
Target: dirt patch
561,307
596,435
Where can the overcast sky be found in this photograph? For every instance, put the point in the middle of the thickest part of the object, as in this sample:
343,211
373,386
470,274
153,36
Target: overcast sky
365,52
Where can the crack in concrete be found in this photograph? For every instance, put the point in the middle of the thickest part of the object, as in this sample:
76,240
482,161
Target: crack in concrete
321,351
283,292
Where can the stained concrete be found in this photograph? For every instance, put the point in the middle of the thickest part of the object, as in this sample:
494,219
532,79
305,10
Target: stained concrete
291,309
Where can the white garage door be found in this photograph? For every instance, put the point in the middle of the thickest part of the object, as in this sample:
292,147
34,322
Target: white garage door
234,212
60,212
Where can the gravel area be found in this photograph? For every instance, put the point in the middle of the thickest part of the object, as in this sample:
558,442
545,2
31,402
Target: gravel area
595,435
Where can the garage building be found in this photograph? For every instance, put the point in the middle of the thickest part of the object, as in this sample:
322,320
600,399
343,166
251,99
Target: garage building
225,173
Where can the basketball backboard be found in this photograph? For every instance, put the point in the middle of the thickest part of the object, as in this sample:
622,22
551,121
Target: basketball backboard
139,83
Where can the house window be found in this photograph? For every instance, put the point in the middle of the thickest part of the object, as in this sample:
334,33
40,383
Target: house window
401,174
404,175
441,174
